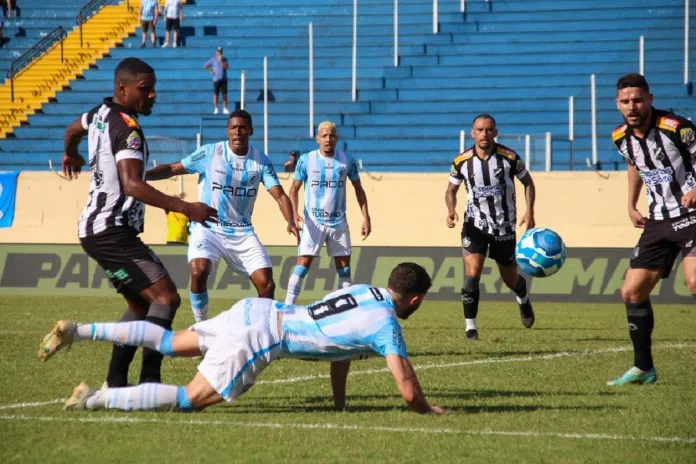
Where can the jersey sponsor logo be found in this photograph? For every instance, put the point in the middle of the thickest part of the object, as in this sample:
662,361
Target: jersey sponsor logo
688,136
498,173
233,191
98,122
323,214
668,124
197,156
397,338
327,183
271,171
690,182
133,141
657,176
466,242
342,171
619,132
504,238
252,177
683,223
225,223
658,154
129,120
506,152
484,191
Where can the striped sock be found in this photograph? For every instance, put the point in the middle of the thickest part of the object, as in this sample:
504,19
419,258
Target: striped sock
199,305
137,333
344,279
295,284
146,396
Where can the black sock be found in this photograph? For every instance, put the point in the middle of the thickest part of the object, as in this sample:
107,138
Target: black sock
470,297
121,357
640,326
151,370
520,287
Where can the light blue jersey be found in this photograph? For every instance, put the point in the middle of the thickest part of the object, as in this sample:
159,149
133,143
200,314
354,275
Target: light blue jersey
325,179
229,183
352,323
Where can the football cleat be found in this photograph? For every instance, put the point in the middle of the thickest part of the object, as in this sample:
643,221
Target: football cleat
472,334
635,375
527,314
60,336
78,398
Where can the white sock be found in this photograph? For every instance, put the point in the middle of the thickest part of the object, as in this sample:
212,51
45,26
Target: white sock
294,288
470,324
136,333
344,279
143,397
199,305
522,300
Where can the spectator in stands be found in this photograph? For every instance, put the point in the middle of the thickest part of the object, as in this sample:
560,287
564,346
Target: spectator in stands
173,12
291,163
149,12
217,67
9,8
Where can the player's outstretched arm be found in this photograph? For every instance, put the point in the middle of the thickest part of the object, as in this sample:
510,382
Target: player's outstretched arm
72,161
165,171
130,171
339,376
408,384
361,196
285,205
530,198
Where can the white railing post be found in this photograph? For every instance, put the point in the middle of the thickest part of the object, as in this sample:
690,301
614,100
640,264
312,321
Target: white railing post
198,140
571,128
242,85
396,33
462,6
462,141
311,81
593,110
436,29
354,89
265,105
641,55
528,151
686,41
548,151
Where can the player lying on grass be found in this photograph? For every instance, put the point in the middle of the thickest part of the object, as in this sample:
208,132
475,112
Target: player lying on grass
238,344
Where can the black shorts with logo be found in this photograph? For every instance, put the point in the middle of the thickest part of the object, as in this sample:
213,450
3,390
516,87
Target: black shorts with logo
662,241
500,248
127,262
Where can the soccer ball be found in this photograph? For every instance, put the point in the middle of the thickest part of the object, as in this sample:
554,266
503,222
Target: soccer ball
540,252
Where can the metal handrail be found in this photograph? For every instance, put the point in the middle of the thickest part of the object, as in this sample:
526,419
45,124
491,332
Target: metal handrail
90,9
38,49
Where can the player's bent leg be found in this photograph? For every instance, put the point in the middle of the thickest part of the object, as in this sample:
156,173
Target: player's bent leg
144,397
690,271
635,292
473,263
198,291
343,271
263,281
518,284
201,394
298,274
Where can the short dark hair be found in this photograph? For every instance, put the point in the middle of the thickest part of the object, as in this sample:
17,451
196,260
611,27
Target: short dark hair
241,114
409,279
483,116
294,153
128,68
632,80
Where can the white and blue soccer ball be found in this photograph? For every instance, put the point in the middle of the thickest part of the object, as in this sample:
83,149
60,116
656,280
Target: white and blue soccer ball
540,252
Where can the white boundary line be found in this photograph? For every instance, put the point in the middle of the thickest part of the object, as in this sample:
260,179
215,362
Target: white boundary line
328,426
423,367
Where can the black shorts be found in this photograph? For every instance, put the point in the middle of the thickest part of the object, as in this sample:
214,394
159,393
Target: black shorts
145,25
662,241
128,263
500,248
170,24
220,86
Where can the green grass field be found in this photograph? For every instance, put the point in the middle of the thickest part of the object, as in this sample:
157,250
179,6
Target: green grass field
516,395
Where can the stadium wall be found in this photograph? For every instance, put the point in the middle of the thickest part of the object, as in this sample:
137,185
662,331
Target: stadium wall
406,209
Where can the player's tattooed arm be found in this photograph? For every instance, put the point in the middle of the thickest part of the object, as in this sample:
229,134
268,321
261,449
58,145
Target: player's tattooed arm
406,380
339,376
530,199
451,202
165,171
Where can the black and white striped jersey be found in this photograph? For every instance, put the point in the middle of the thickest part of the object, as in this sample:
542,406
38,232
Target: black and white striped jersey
490,185
114,134
664,159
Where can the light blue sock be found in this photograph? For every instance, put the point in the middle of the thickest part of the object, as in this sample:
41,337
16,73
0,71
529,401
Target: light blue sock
199,305
136,333
295,283
183,403
344,279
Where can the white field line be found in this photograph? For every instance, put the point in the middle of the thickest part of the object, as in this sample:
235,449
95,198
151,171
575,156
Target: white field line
423,367
359,428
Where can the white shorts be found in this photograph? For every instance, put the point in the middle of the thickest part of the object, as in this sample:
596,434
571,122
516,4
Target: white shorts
237,345
244,253
337,239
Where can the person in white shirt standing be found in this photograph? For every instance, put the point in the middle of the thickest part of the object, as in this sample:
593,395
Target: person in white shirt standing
173,11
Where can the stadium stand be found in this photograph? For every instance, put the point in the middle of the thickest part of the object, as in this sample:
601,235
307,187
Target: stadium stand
518,60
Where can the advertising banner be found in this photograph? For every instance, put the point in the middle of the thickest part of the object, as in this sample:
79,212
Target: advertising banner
8,191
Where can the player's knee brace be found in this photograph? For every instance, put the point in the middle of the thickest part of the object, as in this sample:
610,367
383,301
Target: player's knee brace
300,271
520,287
470,297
